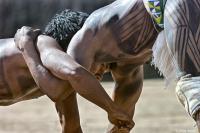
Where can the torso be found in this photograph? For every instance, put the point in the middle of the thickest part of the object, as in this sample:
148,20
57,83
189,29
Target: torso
122,30
16,83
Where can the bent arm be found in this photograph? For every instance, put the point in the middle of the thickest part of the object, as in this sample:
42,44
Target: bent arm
51,86
80,79
64,67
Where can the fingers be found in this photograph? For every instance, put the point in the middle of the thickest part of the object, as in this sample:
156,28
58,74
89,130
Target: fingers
145,54
28,32
127,124
119,130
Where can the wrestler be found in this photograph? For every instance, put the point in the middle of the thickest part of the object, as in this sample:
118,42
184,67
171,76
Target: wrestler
120,34
17,83
124,28
177,50
116,33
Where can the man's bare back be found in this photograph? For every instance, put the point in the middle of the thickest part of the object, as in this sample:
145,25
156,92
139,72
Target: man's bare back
115,33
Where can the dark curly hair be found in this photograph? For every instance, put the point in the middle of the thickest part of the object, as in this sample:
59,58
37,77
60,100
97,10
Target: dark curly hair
64,25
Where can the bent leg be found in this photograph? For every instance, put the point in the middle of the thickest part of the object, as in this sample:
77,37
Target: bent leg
182,28
128,86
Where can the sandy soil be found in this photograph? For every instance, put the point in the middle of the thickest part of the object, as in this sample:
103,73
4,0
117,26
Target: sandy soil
157,111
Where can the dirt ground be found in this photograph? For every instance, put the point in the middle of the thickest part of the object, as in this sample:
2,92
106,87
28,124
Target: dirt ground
157,111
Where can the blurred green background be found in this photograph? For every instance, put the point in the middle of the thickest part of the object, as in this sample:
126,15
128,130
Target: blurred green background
36,13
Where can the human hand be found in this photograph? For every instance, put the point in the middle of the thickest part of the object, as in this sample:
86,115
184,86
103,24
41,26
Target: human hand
25,34
123,122
119,130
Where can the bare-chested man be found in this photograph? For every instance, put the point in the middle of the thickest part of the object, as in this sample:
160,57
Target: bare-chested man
102,40
115,33
17,83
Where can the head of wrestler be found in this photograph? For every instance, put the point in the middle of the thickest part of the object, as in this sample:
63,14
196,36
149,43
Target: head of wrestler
63,27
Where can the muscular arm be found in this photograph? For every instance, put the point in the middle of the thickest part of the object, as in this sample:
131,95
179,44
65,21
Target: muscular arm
51,86
64,67
128,86
82,81
79,78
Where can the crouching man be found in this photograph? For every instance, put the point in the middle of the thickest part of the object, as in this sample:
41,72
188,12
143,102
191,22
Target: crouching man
105,38
20,86
61,66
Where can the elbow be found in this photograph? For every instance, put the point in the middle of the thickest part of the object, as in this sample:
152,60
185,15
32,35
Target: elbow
75,74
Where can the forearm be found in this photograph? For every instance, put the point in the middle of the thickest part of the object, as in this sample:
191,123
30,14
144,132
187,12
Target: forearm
128,86
64,67
82,81
54,87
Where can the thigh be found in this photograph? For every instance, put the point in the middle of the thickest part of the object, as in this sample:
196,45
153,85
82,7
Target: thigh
182,29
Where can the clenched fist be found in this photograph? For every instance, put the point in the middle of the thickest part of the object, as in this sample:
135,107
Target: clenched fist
25,34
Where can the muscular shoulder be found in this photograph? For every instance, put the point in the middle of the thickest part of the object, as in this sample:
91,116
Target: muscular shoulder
101,17
111,13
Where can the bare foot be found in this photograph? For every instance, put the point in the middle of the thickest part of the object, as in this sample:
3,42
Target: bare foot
121,120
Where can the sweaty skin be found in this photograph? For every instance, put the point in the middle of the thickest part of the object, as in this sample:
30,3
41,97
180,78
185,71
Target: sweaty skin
68,70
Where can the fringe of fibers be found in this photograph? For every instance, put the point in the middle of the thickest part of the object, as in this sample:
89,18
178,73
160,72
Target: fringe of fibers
164,60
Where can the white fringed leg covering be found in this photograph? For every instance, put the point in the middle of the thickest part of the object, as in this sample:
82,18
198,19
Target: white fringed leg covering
164,60
188,93
188,88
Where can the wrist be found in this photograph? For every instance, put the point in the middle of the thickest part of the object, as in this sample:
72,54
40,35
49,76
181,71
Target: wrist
24,41
111,108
